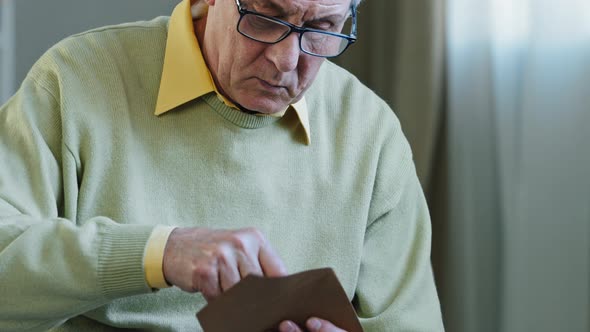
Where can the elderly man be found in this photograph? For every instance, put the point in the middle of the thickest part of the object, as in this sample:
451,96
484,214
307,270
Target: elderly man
261,158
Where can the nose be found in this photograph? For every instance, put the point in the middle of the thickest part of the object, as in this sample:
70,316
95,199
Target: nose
285,54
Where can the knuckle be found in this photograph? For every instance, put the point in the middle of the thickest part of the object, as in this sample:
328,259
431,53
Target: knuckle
239,241
223,255
204,272
256,234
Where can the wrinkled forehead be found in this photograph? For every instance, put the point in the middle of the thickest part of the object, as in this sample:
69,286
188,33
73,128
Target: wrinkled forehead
303,9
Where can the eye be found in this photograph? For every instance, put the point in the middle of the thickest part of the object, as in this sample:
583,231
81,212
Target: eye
260,23
323,25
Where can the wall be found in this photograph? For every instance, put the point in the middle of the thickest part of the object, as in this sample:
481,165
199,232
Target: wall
40,24
6,49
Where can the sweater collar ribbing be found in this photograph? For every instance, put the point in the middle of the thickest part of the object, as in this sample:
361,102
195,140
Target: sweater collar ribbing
237,117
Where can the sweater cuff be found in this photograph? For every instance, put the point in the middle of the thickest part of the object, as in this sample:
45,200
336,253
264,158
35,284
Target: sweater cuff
120,262
154,257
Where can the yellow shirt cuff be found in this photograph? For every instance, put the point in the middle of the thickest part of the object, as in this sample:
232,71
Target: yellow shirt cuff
154,257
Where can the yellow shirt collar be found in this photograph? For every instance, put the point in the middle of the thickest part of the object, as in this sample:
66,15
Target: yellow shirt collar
184,69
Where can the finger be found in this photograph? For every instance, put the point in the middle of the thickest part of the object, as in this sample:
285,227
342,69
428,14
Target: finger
272,265
208,283
228,270
246,243
249,264
289,326
320,325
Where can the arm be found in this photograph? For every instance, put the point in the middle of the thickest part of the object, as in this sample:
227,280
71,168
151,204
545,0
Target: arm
396,289
52,268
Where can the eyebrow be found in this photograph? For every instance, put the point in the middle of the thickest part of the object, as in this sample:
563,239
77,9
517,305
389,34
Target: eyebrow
334,18
276,8
281,13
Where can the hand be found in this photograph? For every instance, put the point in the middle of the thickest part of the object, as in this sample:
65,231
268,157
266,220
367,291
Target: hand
212,261
313,325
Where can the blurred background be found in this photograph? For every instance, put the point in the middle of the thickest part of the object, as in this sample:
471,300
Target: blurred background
494,97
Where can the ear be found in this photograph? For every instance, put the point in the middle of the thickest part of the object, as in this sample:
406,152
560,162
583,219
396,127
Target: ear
199,9
201,3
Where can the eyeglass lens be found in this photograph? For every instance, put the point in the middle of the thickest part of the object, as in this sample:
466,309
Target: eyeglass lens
269,31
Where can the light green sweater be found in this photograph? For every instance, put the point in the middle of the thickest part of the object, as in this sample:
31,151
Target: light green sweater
87,170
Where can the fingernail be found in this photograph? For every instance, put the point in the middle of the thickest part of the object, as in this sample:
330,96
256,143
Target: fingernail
287,327
314,324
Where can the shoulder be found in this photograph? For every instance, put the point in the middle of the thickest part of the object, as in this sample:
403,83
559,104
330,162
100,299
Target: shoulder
335,77
125,32
335,87
338,97
102,49
354,119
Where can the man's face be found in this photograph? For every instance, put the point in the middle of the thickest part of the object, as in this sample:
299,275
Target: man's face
262,77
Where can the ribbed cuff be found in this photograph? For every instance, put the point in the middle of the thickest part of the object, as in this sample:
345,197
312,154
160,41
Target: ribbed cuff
120,262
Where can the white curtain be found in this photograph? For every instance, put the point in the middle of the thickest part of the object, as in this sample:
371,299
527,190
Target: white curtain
518,107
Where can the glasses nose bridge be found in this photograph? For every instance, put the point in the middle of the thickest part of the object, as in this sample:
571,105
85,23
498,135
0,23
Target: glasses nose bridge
292,28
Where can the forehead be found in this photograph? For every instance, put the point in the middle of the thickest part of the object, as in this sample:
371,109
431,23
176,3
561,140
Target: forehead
303,9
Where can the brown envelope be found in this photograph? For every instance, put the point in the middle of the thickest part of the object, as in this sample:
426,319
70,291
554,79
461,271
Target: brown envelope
259,304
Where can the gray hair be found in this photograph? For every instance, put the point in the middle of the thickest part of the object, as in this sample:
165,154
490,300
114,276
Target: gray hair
199,7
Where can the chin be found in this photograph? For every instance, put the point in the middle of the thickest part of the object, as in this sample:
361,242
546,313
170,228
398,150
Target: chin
265,107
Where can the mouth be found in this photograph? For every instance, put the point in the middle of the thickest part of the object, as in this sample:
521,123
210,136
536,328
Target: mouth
271,87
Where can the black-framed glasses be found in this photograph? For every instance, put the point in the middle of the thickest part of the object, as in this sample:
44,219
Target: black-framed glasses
270,30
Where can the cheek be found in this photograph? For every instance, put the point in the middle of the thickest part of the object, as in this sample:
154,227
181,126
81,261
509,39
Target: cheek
307,70
233,57
245,56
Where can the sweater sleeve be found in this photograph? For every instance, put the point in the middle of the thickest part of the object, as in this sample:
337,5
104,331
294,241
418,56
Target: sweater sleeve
53,268
396,289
